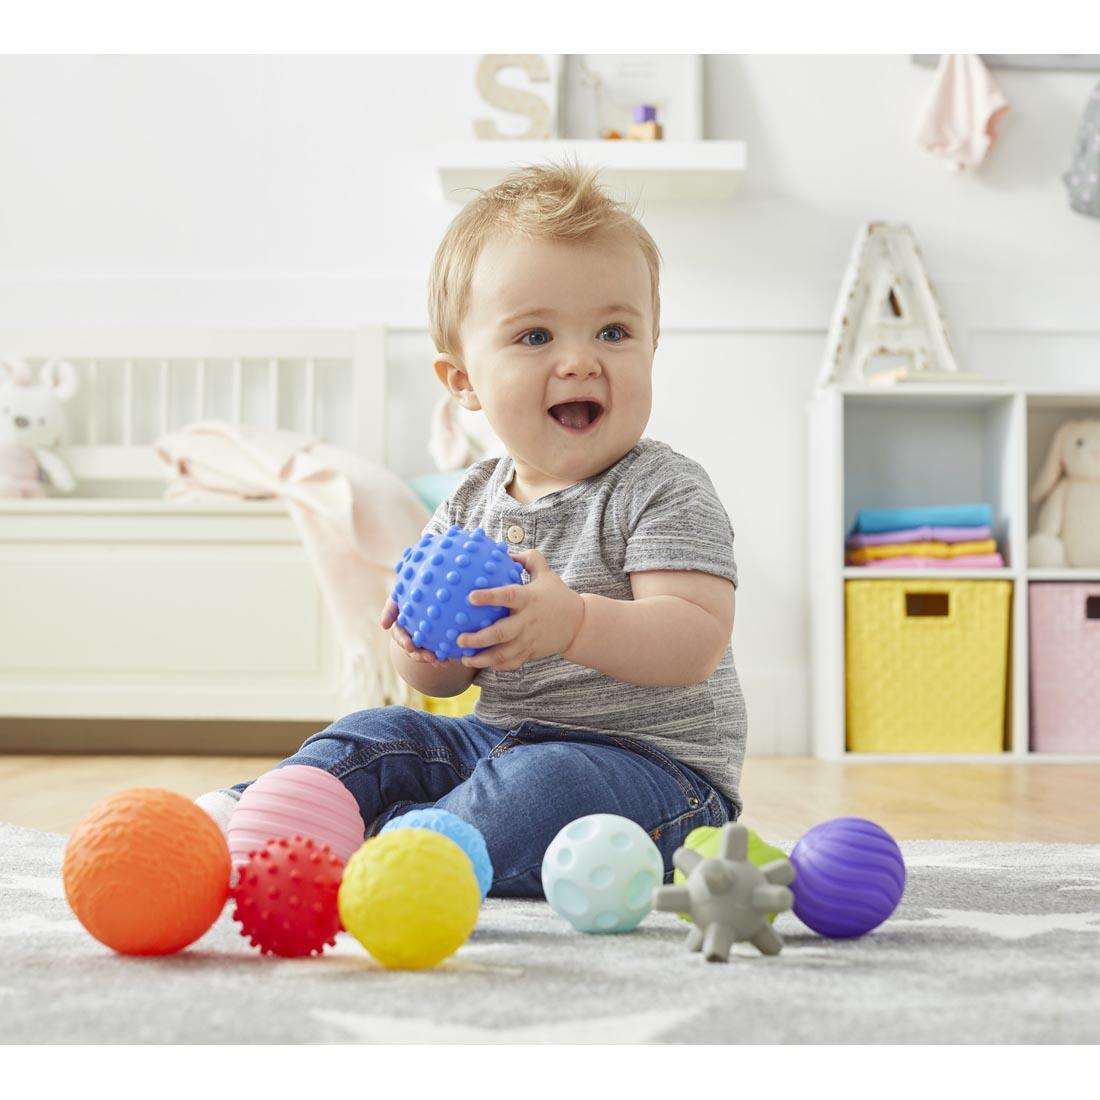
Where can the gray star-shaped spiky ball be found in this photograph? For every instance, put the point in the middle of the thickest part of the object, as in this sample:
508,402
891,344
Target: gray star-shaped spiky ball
728,898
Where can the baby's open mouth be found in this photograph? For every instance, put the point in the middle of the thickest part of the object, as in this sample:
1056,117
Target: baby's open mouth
577,415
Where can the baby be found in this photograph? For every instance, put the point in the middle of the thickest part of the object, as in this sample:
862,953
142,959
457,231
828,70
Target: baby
610,687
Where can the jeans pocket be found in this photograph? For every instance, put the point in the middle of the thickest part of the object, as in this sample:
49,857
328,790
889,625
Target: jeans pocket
671,834
696,790
505,744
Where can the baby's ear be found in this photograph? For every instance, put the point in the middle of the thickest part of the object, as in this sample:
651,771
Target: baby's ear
451,372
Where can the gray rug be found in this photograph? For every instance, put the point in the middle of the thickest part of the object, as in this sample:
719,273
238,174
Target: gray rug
993,943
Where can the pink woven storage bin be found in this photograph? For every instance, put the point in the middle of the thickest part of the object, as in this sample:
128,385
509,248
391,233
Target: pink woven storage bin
1065,667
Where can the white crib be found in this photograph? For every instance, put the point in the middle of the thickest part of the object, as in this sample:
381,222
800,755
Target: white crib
118,604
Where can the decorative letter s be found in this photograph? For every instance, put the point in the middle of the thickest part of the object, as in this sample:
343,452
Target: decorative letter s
514,100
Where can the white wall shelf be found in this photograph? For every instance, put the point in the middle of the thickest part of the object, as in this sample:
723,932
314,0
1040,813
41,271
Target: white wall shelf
877,446
654,169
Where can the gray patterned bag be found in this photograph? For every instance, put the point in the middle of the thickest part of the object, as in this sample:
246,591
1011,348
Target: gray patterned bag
1083,178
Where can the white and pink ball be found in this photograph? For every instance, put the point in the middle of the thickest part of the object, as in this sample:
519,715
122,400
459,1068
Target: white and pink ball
296,800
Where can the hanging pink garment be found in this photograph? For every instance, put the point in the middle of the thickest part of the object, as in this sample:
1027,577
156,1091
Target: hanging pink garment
961,118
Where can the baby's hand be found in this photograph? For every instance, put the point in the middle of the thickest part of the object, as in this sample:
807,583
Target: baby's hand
546,615
401,637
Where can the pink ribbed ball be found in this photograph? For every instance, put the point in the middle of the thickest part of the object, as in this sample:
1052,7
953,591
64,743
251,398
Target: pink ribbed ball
295,800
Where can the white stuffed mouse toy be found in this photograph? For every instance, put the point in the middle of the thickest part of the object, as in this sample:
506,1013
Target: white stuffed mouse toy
1067,528
30,424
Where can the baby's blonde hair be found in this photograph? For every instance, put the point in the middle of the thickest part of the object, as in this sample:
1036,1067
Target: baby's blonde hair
560,202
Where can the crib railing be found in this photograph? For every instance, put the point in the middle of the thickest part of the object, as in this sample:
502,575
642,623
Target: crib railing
136,385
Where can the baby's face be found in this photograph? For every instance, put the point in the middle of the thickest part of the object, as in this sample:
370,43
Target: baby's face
558,349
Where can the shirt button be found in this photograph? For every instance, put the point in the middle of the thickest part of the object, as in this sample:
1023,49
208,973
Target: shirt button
515,533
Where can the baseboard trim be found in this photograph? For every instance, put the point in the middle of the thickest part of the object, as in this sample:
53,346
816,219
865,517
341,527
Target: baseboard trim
159,738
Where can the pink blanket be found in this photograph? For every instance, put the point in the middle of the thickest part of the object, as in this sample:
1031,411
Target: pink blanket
355,519
964,561
921,534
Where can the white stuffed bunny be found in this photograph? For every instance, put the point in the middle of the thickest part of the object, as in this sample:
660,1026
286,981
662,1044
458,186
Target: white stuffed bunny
30,424
1068,524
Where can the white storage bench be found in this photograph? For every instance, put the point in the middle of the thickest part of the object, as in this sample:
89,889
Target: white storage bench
116,603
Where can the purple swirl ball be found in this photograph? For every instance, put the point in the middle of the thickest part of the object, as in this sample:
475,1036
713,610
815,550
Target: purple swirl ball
849,877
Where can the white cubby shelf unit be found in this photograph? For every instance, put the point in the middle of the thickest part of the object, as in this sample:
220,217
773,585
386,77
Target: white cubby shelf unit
896,446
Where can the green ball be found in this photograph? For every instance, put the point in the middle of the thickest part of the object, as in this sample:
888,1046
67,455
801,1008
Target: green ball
704,840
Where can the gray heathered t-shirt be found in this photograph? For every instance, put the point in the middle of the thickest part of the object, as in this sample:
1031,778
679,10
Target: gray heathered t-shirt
653,509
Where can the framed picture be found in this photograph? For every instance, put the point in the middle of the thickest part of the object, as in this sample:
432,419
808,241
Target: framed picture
517,96
599,93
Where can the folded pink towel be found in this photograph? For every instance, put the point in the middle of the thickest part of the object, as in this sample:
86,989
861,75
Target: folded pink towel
971,561
927,533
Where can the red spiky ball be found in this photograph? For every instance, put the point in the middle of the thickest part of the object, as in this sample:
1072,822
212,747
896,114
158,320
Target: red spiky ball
285,897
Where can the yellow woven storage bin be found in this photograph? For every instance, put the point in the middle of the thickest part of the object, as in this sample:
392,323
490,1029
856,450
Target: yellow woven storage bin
926,665
455,706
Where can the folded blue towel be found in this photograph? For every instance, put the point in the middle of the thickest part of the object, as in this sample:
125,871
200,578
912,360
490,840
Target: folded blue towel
872,520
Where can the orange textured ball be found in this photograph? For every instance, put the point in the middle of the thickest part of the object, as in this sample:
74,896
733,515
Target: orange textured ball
146,871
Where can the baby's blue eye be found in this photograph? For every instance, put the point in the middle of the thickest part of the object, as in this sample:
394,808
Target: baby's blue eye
543,337
618,330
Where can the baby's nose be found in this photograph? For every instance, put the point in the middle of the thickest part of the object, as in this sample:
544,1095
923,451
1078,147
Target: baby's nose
584,366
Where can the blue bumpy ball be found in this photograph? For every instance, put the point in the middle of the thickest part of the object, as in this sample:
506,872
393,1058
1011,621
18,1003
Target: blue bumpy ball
434,579
468,838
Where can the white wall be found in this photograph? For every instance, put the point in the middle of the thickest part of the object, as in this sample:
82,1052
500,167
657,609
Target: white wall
299,191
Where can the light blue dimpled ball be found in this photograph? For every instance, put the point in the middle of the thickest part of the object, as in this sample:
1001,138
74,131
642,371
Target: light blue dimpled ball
599,873
465,835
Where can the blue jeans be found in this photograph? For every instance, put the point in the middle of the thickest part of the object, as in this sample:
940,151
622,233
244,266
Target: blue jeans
518,787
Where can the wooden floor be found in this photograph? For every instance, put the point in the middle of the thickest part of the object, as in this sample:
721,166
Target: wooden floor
783,796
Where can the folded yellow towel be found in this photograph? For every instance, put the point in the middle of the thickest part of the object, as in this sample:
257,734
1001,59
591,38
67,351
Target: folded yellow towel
922,549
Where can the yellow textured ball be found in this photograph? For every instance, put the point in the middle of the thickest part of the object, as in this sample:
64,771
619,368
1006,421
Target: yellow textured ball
410,897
